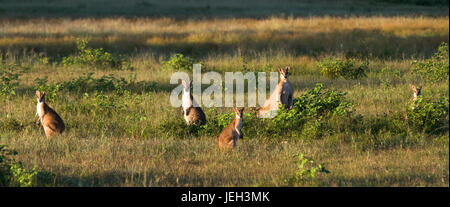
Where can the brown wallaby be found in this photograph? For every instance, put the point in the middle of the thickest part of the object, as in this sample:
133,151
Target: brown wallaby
229,136
50,120
192,113
283,94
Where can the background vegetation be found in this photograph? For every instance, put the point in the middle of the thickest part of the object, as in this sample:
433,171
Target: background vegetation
106,69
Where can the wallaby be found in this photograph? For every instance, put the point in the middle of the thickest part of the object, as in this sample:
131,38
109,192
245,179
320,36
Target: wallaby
192,115
416,92
50,120
283,94
229,136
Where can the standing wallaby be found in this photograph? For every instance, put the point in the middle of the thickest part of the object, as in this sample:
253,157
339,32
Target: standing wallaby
416,92
192,115
229,136
50,120
283,94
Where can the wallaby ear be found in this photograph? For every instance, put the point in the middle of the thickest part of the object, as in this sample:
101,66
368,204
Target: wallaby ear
242,111
190,83
184,83
280,69
235,110
287,69
38,94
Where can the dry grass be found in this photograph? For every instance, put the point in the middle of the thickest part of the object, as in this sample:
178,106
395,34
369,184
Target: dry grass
387,37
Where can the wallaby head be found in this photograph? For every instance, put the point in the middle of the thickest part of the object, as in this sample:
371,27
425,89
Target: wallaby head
186,86
239,113
284,73
416,91
40,96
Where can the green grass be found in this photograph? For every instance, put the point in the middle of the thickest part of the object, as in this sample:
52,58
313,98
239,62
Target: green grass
122,131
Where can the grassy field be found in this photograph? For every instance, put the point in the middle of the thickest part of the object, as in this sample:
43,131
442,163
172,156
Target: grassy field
122,131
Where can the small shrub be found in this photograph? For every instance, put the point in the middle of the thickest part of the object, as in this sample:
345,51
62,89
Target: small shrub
179,62
436,68
101,104
346,68
429,116
316,104
97,58
9,79
313,129
306,170
88,83
13,173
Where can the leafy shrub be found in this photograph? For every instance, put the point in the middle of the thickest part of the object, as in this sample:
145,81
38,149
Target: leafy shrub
97,58
9,79
88,83
179,62
316,104
84,83
306,170
435,68
13,173
100,104
346,68
314,128
429,116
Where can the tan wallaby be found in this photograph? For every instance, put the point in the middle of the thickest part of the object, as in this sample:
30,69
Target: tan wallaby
416,92
283,94
192,113
50,120
229,136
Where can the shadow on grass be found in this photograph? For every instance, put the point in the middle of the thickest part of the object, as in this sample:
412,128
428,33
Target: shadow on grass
133,87
218,9
120,178
352,43
161,179
408,178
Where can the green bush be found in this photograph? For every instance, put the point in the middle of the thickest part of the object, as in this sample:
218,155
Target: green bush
306,170
434,68
9,78
179,62
346,68
313,129
13,173
429,116
97,58
317,104
88,83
